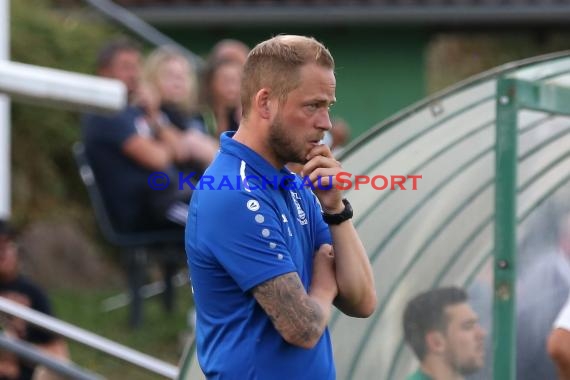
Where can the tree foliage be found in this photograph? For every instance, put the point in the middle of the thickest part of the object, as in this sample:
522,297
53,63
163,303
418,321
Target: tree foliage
45,183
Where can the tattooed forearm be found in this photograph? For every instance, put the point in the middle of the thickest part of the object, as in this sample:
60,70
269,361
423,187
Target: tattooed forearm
299,319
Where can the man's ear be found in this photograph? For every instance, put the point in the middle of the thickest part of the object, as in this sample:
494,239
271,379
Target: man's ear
262,103
435,342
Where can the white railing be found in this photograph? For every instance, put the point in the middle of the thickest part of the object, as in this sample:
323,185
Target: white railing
61,88
89,339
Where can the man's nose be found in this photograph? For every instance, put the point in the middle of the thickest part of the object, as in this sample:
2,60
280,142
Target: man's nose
482,331
324,121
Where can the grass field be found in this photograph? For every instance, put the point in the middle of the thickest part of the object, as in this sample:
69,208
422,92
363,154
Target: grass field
161,335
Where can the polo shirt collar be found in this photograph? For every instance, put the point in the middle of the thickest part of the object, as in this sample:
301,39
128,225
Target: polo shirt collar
259,164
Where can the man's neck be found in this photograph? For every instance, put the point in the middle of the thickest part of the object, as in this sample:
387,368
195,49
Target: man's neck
438,369
253,140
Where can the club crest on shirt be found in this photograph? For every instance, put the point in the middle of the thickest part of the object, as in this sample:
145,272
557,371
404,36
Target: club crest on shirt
301,216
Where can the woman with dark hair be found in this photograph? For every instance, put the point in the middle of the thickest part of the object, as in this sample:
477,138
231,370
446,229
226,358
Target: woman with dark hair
220,107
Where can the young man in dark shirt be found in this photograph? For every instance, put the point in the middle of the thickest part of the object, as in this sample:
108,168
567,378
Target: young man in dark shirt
444,332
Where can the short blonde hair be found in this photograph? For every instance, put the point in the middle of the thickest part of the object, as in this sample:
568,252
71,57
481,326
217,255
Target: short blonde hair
157,59
275,64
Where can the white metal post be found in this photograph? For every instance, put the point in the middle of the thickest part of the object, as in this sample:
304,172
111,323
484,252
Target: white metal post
4,115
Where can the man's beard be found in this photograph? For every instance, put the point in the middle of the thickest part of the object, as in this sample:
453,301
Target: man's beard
465,368
469,369
283,144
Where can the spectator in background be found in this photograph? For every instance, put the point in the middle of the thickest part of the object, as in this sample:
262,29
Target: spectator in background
121,59
125,150
175,81
444,332
220,103
338,136
340,133
220,106
229,49
170,76
542,289
559,343
18,288
335,138
480,293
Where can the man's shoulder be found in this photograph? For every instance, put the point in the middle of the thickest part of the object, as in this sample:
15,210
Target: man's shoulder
223,192
231,173
226,192
224,164
126,113
110,128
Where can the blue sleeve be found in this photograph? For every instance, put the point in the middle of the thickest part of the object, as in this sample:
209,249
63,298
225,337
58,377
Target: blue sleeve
243,232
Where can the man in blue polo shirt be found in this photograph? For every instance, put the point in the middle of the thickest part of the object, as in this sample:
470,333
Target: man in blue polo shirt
264,272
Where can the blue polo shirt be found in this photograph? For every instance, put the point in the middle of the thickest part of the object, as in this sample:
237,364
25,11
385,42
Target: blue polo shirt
238,238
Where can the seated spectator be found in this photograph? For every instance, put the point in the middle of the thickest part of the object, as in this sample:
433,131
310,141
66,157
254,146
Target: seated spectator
125,150
445,335
172,80
559,343
18,288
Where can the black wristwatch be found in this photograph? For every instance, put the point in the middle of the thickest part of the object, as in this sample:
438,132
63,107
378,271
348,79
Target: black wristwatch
342,216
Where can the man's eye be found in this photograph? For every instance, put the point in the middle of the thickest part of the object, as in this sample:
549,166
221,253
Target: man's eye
312,107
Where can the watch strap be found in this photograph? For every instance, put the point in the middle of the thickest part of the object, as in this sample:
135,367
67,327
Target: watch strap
342,216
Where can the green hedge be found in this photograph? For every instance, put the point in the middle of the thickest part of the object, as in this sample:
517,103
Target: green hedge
45,184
